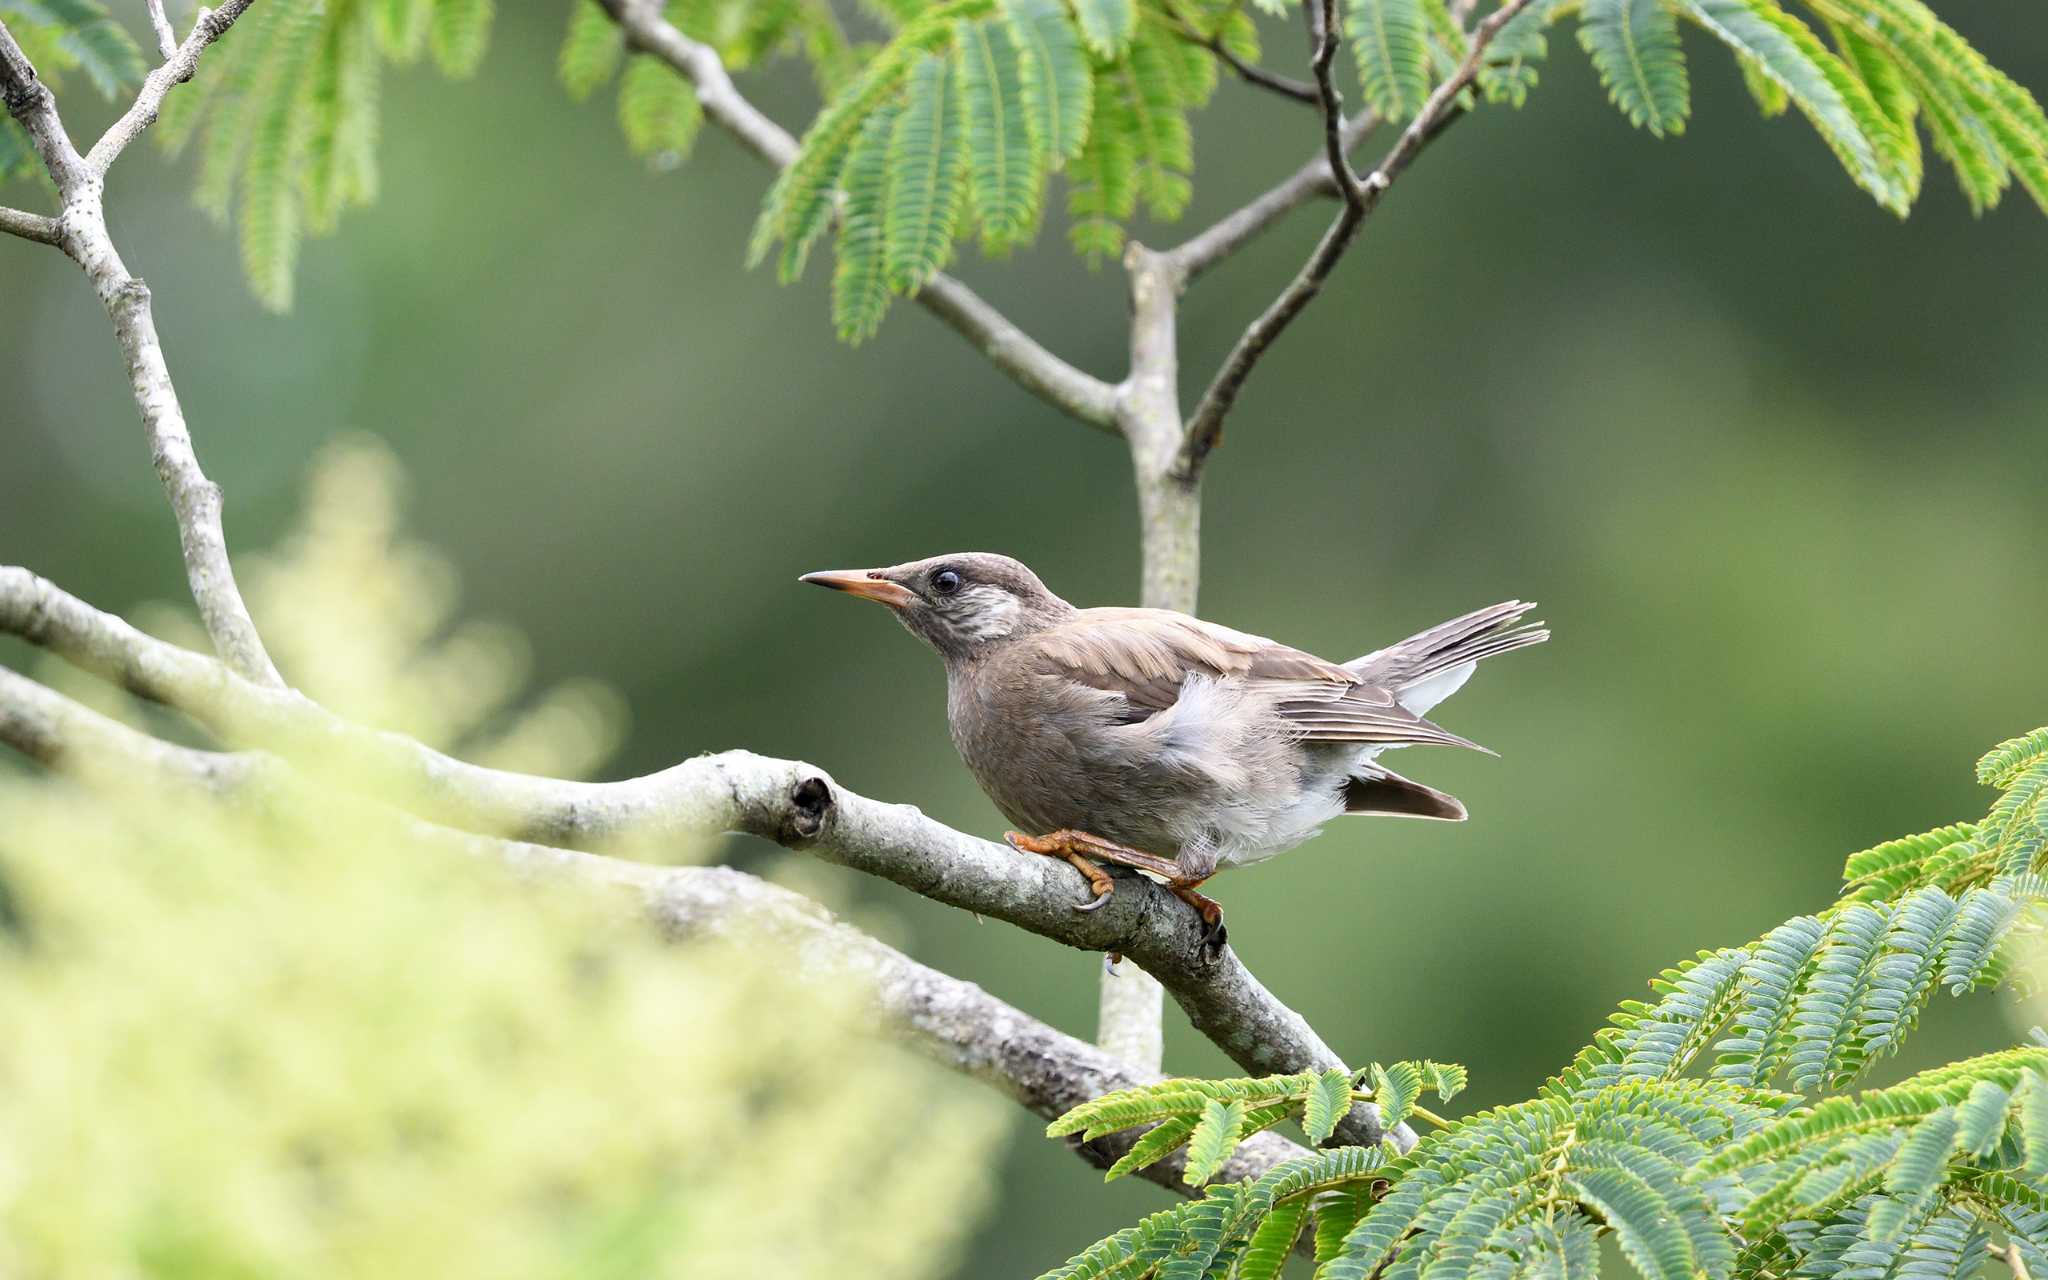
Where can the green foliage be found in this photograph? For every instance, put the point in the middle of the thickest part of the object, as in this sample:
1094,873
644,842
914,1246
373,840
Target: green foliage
294,1038
1721,1178
285,108
1388,40
658,112
1634,46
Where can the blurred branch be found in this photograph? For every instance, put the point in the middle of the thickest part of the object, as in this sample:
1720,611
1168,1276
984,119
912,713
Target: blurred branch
81,232
31,226
166,39
947,1018
1080,395
1205,425
794,804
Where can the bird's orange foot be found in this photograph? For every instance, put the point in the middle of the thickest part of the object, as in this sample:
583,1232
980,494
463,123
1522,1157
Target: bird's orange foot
1100,884
1081,850
1214,935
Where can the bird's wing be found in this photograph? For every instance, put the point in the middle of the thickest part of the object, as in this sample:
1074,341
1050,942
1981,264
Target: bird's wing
1146,655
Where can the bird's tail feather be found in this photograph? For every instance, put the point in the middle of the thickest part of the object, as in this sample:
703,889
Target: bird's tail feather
1479,634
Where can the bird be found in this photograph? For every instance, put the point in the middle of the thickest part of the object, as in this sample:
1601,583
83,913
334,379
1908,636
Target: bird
1154,740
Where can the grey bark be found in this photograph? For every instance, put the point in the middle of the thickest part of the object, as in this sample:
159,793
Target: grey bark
948,1019
794,804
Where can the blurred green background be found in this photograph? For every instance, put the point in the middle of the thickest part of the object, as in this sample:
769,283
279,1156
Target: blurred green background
1773,461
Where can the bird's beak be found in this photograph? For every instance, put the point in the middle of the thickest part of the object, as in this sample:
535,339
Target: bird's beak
868,584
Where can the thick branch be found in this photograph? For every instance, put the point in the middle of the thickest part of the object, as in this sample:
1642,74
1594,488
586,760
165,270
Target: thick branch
1009,348
82,234
1205,425
794,804
947,1018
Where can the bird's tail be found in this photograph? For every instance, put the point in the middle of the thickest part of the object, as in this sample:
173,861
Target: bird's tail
1429,666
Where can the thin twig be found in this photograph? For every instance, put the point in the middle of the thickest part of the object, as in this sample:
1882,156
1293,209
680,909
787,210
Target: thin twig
1249,72
1228,234
166,39
1027,362
1205,425
38,227
2014,1263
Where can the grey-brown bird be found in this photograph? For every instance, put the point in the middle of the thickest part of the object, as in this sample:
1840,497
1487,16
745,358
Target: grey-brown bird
1167,744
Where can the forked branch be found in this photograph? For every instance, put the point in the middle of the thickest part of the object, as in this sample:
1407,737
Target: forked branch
1361,197
1080,395
81,232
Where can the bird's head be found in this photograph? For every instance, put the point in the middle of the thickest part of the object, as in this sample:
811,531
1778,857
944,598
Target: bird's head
960,604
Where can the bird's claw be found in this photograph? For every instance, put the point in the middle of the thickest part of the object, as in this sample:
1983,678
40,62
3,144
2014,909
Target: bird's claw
1214,937
1095,903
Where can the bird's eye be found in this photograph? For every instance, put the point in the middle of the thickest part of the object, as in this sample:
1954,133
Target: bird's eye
945,582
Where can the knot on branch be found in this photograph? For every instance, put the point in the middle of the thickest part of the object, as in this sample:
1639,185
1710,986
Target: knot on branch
25,96
810,807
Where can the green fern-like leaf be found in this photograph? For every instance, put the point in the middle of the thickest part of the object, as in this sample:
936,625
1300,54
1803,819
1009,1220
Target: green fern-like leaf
1107,25
1771,979
2003,764
269,205
1329,1100
1840,107
1770,96
340,166
592,50
459,34
926,153
1151,107
1634,46
1981,923
1888,85
402,27
799,204
1904,975
1160,1141
1396,1089
1005,170
1389,40
860,278
1272,1243
1214,1140
1058,89
1824,1044
658,111
1104,176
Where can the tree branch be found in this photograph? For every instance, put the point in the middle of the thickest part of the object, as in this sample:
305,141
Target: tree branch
794,804
1230,233
1009,348
1205,425
948,1019
82,235
31,226
180,60
166,39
